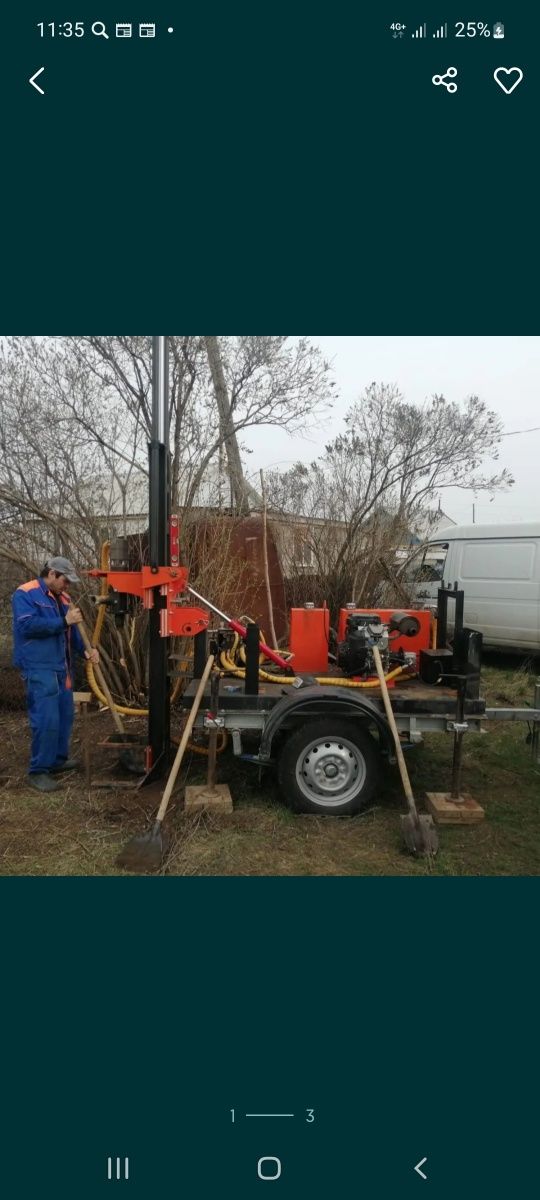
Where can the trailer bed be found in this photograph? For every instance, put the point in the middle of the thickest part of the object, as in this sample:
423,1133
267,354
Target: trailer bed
416,705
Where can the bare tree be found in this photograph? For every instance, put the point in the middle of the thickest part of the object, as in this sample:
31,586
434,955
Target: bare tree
218,388
378,477
227,432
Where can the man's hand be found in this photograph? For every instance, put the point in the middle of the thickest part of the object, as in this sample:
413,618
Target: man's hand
73,615
92,655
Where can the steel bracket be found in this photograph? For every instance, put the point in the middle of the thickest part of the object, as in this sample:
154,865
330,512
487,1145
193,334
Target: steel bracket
212,722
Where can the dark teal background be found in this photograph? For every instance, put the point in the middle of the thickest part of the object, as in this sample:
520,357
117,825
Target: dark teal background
137,1013
289,162
269,164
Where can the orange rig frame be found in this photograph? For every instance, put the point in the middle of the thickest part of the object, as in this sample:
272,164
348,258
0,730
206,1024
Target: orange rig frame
177,619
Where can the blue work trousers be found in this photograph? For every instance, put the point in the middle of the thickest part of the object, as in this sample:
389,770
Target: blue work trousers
50,711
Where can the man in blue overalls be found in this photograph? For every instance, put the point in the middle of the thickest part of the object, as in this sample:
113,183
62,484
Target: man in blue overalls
45,639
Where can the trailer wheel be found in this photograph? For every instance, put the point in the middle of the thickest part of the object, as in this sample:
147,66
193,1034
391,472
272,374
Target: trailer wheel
329,766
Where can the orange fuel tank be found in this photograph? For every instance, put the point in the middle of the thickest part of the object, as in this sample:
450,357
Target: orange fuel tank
308,641
420,641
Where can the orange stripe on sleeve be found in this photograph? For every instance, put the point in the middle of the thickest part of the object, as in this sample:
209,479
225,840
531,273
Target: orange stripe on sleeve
28,587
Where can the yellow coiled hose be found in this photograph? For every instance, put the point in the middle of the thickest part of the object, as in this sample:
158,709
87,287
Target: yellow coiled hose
90,675
119,708
230,667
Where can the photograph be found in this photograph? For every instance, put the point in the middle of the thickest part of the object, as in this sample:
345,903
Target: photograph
269,606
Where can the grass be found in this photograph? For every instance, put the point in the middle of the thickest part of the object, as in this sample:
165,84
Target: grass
76,832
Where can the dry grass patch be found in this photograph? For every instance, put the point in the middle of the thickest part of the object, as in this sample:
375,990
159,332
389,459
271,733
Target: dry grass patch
73,832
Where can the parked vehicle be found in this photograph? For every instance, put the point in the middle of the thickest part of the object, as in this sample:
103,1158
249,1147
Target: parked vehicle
498,567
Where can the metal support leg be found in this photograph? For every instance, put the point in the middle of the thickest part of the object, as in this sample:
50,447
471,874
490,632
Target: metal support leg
536,725
213,736
457,760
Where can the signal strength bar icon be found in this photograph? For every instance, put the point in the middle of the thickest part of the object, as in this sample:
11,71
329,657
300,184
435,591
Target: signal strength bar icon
420,32
442,32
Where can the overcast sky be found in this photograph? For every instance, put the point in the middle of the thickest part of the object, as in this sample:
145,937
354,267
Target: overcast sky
504,372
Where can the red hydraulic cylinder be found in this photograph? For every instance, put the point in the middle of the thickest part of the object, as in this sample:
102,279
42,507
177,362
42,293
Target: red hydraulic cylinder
241,629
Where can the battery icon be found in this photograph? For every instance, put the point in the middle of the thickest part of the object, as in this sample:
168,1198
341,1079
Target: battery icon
498,30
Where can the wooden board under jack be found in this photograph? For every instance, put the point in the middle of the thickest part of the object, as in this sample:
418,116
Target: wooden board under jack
446,811
200,798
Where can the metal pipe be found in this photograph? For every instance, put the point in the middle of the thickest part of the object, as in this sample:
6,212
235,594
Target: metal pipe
158,503
212,607
507,714
160,390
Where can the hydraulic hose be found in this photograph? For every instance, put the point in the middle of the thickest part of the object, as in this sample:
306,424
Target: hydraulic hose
230,668
123,709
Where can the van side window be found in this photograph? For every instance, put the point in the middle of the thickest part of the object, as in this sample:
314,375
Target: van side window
500,560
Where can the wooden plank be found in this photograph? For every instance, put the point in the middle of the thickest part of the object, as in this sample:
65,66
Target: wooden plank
446,811
201,798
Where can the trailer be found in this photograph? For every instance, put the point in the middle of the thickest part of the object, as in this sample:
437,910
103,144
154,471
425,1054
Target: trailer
328,743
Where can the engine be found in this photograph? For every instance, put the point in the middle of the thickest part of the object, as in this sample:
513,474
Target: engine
355,654
364,631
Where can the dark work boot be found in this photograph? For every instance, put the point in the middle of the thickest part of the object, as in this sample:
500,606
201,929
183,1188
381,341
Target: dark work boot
70,764
43,783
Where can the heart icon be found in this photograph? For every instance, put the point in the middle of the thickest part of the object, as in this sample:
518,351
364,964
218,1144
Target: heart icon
515,72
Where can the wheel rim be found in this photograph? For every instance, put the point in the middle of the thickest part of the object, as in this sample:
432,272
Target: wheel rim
330,771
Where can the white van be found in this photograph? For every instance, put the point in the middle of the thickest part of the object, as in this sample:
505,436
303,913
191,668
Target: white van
498,567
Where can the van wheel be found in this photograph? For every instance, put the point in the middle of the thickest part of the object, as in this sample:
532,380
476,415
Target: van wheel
329,766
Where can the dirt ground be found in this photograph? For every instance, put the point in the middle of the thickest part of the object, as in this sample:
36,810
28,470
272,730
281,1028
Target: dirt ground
79,831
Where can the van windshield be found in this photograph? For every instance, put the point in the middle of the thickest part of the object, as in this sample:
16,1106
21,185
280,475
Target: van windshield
430,568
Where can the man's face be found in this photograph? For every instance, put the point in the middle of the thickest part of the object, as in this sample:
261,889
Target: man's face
57,583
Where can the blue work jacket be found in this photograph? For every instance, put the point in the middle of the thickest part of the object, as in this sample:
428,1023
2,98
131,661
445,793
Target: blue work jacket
41,640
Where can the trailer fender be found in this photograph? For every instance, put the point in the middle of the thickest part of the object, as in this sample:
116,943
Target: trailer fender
319,702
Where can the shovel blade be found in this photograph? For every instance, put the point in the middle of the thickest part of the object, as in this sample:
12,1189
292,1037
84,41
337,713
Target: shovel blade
145,853
421,837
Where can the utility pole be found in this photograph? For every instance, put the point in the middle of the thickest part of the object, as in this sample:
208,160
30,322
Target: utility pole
473,521
158,509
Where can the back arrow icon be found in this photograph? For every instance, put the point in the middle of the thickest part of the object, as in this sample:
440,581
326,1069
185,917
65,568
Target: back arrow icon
33,78
420,1164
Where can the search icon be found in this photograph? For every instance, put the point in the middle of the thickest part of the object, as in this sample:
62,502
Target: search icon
98,28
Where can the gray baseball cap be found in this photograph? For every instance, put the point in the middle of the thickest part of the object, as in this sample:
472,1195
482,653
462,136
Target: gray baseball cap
64,567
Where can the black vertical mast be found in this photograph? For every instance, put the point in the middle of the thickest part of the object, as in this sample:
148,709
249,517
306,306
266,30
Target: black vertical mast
158,689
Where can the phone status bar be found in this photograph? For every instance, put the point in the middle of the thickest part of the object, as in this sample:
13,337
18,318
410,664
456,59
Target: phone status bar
103,29
459,29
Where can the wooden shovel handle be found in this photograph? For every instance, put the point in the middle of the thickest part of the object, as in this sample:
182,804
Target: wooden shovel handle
392,723
100,677
185,739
